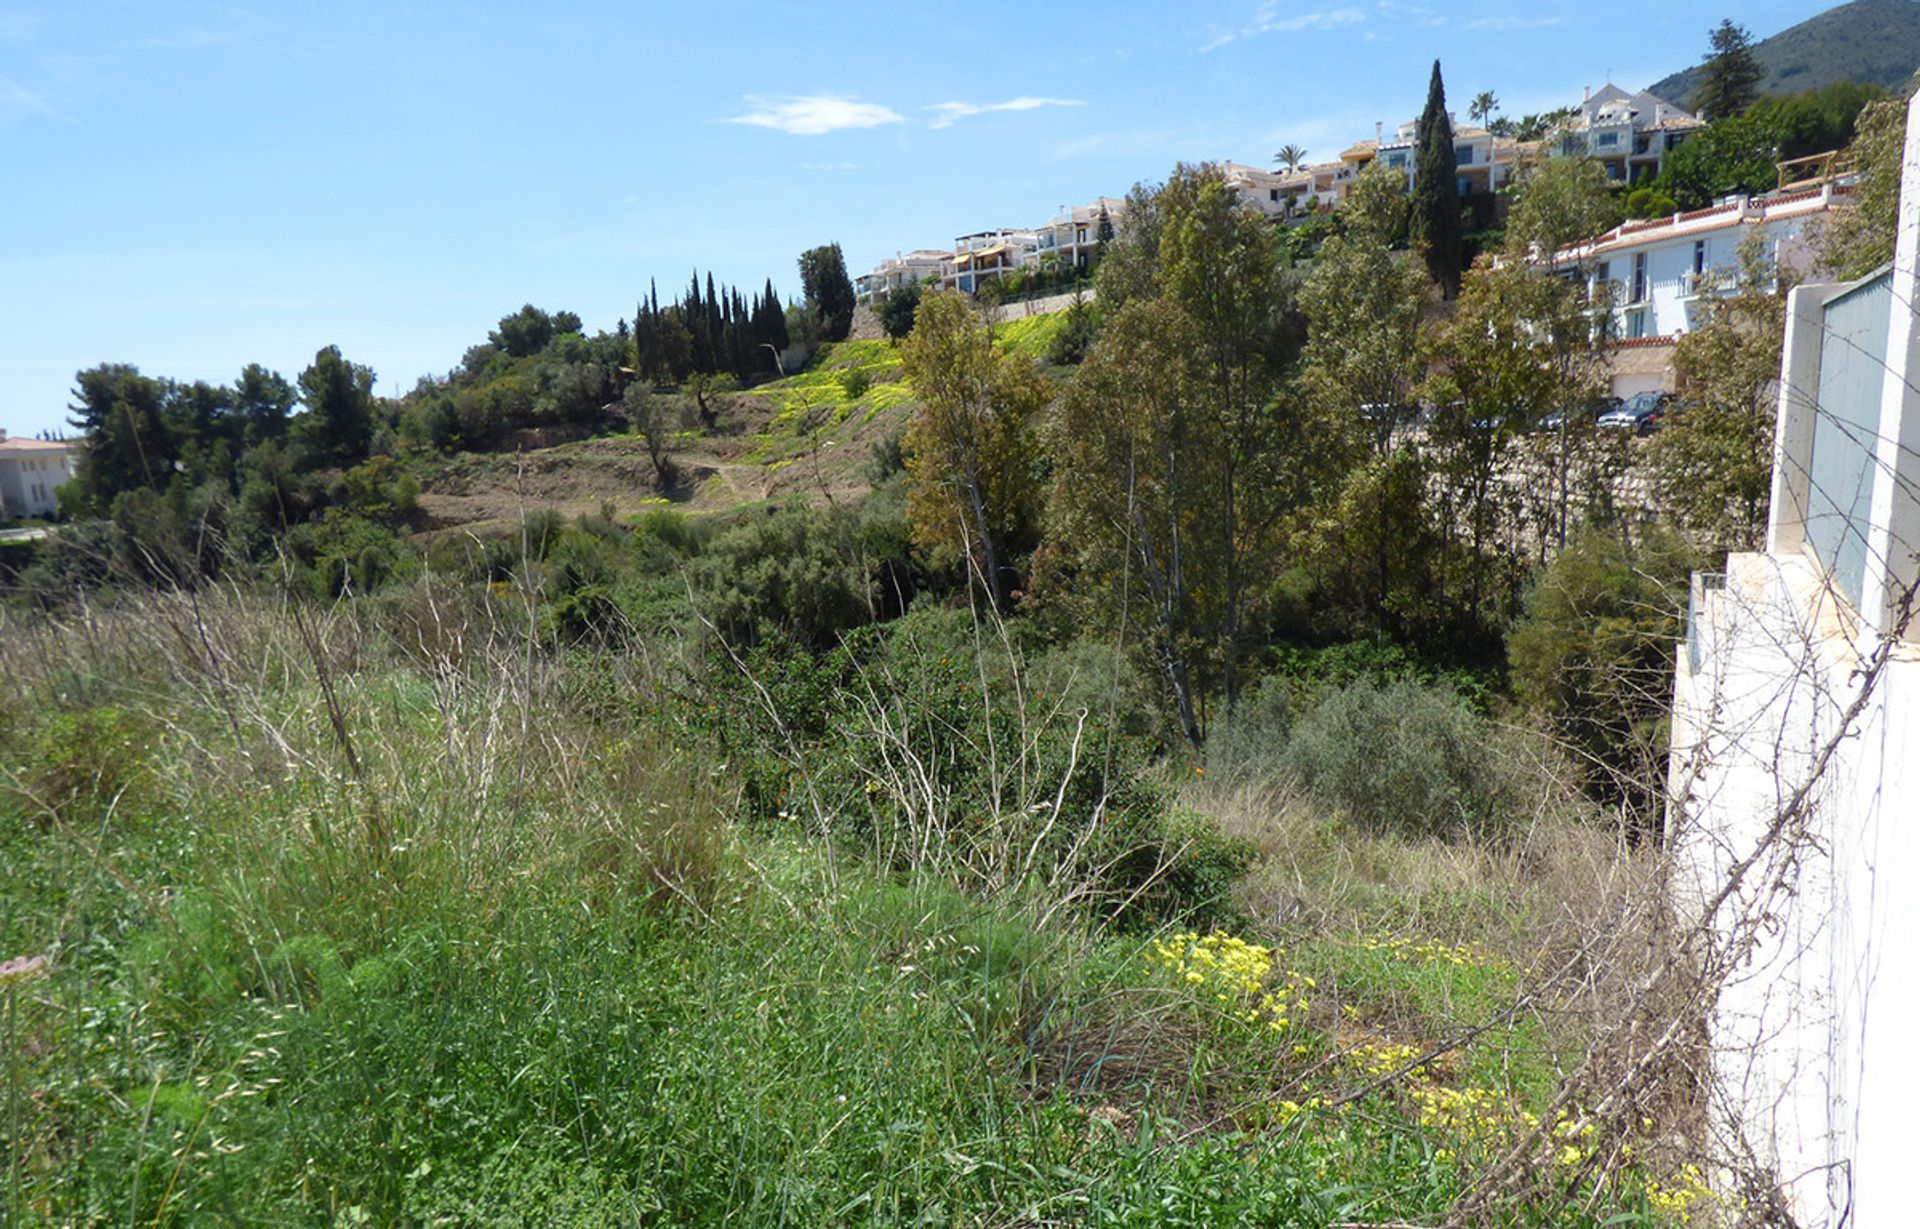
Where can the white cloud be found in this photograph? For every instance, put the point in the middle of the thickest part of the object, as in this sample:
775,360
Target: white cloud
814,115
1270,20
1514,23
17,99
945,113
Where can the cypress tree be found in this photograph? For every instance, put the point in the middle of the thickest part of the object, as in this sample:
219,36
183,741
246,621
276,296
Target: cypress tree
694,315
1436,195
776,320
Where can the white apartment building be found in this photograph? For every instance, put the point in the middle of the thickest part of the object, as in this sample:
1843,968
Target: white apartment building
1482,161
1071,236
1628,134
1795,772
1282,193
901,270
987,256
1663,271
30,472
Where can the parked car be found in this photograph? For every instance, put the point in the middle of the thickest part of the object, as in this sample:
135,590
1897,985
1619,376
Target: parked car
1590,412
1640,413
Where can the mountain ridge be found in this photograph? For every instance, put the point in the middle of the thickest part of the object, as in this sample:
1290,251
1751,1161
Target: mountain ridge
1875,41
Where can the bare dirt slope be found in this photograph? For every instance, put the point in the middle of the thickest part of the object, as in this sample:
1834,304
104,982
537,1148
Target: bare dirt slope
808,438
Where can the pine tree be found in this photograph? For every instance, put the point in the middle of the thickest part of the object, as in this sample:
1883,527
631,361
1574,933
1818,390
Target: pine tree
1730,79
1436,197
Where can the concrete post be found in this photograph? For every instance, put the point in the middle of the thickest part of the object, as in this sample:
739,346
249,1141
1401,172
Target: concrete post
1793,424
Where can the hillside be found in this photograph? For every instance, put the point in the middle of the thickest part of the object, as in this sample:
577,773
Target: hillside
1875,41
805,437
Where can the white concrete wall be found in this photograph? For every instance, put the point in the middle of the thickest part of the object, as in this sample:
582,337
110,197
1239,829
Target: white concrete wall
1670,261
1813,1064
28,481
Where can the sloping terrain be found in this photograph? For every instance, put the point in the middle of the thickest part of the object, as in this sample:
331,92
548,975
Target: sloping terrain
809,436
1875,41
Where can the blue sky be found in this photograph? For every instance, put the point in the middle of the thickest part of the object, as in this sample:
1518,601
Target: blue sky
194,186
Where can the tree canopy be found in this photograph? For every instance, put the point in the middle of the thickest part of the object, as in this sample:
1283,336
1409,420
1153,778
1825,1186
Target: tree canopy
828,290
1730,78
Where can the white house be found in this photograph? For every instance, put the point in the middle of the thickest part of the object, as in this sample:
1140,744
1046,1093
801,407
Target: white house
1482,161
1628,134
901,270
1663,271
1795,776
1070,237
987,256
1283,193
30,472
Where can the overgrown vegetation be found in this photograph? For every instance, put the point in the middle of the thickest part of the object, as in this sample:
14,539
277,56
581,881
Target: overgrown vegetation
1204,768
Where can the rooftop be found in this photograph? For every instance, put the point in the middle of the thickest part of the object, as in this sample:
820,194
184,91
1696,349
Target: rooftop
1741,211
19,446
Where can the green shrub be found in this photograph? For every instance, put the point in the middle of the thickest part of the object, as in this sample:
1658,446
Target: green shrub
855,382
1593,655
792,574
1401,757
1075,336
79,761
897,310
1250,742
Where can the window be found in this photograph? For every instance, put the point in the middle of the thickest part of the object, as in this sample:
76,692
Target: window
1637,323
1638,294
1699,256
1463,155
1273,194
1609,139
1079,234
1396,160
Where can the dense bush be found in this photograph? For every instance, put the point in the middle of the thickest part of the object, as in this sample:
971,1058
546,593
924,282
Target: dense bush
1250,742
915,743
788,574
1400,757
1593,656
1070,343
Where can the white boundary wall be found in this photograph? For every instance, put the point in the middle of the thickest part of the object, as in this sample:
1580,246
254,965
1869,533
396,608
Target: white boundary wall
1815,1043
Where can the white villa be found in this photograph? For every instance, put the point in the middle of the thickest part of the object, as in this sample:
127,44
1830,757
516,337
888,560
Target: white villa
1629,134
30,472
901,270
989,255
1282,193
1660,273
1482,161
1072,235
1796,756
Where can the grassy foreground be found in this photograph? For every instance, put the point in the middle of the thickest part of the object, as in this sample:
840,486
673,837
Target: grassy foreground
384,916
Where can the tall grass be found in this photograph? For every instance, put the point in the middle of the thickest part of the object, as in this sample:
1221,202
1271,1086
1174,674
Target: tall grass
381,913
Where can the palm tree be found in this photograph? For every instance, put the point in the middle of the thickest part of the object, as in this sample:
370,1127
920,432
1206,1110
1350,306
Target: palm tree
1484,104
1290,157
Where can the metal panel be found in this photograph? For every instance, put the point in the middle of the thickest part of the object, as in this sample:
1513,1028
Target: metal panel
1853,360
